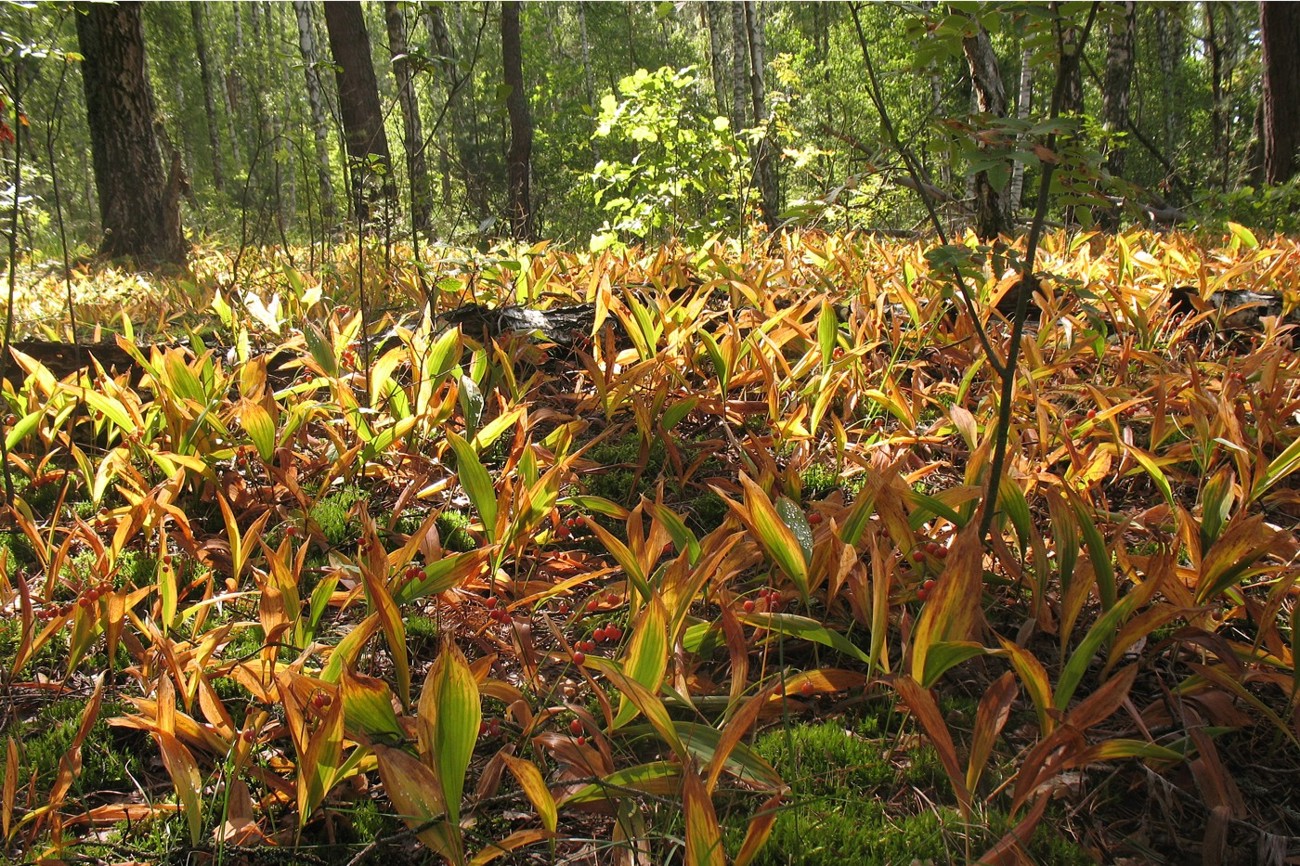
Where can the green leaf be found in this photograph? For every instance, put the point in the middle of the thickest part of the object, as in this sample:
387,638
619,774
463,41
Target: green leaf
828,328
646,657
797,522
792,625
449,716
477,483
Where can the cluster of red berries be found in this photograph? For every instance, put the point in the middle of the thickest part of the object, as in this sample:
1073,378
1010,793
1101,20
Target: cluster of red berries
766,596
489,728
350,357
593,603
566,527
576,729
86,599
414,572
321,701
924,591
930,548
837,353
495,613
607,634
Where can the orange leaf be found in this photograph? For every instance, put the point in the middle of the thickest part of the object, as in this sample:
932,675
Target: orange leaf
703,836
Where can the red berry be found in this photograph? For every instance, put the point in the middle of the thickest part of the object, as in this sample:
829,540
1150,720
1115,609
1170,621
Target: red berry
582,741
928,585
575,727
807,689
918,555
563,531
482,728
593,605
922,595
320,700
490,602
414,572
250,736
599,635
579,658
941,553
613,633
837,354
748,606
815,518
1092,413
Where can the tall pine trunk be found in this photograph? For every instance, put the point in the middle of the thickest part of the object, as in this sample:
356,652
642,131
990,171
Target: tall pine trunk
139,203
209,92
990,99
363,118
764,159
1121,43
412,131
319,127
1279,31
519,156
739,66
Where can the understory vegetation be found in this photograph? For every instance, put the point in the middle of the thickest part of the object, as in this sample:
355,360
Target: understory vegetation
313,575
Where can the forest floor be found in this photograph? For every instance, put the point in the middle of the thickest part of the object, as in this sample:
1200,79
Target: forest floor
313,575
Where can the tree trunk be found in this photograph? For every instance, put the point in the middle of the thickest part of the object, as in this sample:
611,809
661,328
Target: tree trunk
717,64
764,159
412,132
363,118
1218,116
138,202
209,92
1024,99
462,128
739,66
1169,37
990,99
1118,82
319,128
1279,31
519,157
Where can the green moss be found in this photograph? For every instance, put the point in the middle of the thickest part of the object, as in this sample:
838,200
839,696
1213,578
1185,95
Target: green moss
453,533
108,755
819,481
844,805
331,516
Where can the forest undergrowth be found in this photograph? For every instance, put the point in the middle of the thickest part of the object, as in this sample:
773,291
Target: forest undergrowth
317,577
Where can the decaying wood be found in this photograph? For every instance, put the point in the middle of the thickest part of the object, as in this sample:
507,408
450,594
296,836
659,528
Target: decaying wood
562,325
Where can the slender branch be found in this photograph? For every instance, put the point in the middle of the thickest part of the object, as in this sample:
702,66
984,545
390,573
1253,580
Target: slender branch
916,173
1068,64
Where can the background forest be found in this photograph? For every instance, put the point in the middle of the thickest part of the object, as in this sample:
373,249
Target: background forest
650,433
647,120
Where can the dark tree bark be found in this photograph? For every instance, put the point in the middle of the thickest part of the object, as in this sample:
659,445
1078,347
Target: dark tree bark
363,118
139,203
209,92
412,132
717,64
463,124
1279,31
519,157
990,99
764,159
1118,82
739,66
320,131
